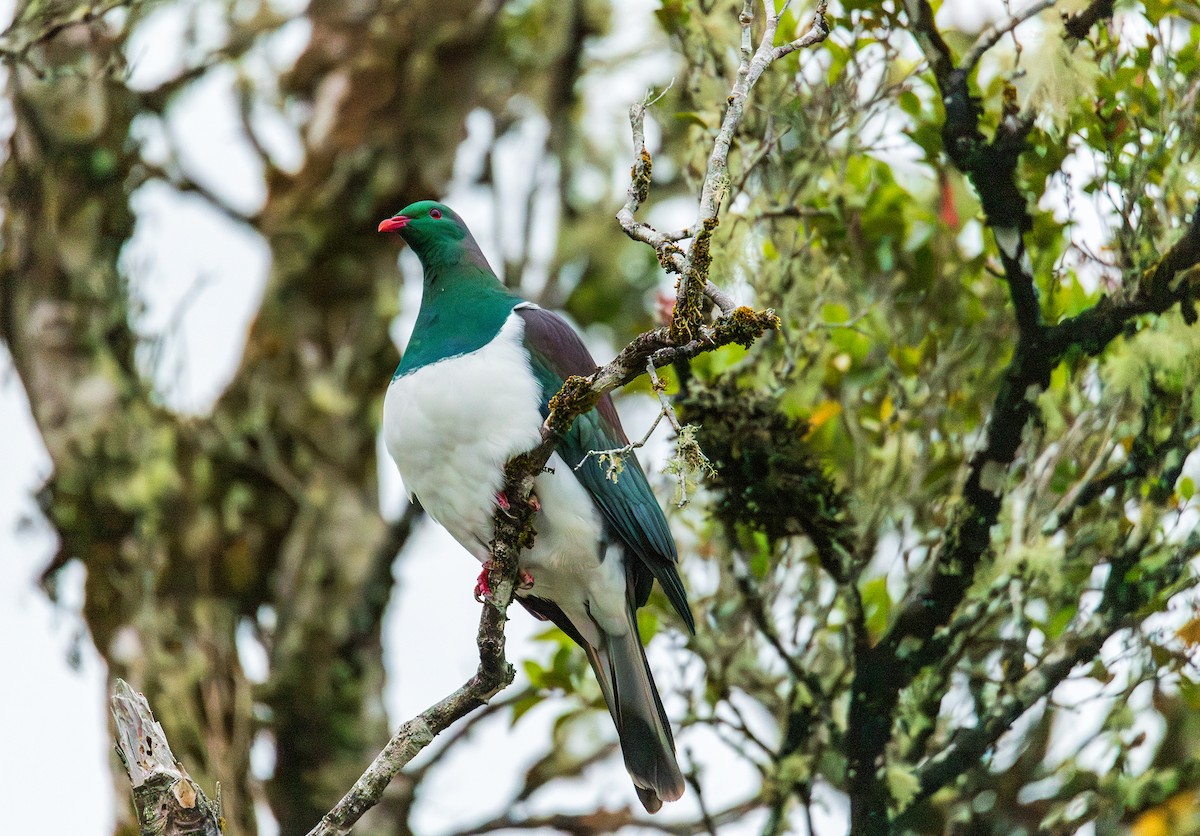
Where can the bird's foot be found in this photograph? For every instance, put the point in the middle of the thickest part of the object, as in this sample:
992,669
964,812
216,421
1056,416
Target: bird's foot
483,588
506,506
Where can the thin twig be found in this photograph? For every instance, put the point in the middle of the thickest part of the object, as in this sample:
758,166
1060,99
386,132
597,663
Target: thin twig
992,35
613,454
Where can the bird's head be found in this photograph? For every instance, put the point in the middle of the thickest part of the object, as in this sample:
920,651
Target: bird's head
430,228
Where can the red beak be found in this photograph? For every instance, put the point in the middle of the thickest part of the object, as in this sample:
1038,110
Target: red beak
394,224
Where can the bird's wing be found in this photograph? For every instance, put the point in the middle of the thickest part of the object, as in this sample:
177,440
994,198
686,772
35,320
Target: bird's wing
628,504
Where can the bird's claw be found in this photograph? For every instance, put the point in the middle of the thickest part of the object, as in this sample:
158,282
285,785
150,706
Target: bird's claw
483,587
506,506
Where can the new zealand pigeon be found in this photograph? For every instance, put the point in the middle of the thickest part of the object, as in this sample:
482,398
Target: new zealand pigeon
470,393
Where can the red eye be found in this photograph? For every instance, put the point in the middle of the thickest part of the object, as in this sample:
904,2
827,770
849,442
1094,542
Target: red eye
435,213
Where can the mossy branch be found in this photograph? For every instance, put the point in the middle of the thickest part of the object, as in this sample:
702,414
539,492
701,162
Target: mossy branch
692,266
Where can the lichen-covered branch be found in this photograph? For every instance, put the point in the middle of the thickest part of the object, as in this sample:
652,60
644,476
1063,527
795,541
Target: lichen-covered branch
692,266
167,800
1120,600
990,164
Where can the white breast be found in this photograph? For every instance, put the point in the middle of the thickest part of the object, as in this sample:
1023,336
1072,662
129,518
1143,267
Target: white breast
451,427
453,424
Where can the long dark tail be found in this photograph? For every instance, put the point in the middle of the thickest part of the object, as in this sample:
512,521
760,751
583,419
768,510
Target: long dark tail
642,725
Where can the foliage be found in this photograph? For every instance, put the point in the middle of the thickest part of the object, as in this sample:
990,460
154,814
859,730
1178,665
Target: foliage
948,547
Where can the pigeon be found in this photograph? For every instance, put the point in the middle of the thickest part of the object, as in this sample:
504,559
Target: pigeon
472,391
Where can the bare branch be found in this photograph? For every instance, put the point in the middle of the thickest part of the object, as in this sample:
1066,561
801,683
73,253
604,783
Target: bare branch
165,797
692,267
610,821
613,454
494,674
992,35
818,32
751,67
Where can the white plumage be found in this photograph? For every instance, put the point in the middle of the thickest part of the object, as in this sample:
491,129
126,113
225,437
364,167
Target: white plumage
452,425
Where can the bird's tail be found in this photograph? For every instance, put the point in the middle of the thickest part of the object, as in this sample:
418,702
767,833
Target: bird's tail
642,725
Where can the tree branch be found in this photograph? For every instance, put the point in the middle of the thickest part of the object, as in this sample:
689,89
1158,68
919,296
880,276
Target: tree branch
991,36
167,800
692,266
883,670
929,39
493,674
1079,24
1120,601
610,821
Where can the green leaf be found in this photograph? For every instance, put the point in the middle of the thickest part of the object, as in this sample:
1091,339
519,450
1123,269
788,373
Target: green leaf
877,605
1186,488
523,705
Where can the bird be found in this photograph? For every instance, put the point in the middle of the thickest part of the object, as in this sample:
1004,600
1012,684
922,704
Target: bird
471,391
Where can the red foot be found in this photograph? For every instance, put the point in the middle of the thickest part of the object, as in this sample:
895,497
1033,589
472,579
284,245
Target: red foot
483,589
505,505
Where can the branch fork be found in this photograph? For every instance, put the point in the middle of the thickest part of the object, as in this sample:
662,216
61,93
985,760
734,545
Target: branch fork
692,266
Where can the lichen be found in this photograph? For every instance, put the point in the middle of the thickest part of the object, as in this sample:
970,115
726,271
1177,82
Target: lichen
766,476
689,305
574,399
616,464
640,176
745,325
688,464
667,254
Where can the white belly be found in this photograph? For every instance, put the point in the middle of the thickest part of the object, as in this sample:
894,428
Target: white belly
451,427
